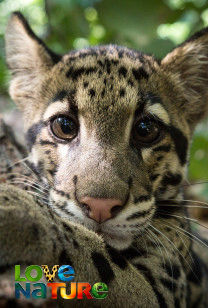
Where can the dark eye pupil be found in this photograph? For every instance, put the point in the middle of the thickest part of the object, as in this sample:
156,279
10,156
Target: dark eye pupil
146,131
67,126
145,128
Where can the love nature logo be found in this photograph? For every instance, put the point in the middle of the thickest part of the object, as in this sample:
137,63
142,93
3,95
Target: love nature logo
29,286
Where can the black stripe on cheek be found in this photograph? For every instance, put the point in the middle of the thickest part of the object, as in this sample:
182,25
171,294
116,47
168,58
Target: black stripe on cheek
62,193
140,214
141,199
162,148
181,143
33,168
40,167
165,211
32,133
47,142
172,179
52,171
103,267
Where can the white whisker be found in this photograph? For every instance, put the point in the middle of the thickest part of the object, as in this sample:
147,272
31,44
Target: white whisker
35,184
172,244
187,218
28,185
18,162
168,224
194,201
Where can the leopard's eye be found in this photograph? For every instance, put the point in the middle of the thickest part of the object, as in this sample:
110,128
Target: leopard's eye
146,131
64,127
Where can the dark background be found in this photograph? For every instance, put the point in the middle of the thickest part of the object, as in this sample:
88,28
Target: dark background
151,26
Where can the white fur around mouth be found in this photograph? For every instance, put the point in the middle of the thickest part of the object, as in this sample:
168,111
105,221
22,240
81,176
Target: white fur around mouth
117,241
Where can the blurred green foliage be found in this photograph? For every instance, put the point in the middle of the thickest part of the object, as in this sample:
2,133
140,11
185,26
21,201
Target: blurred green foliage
150,26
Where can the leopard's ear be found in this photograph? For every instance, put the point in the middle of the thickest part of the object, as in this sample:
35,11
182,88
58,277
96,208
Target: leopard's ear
28,59
187,67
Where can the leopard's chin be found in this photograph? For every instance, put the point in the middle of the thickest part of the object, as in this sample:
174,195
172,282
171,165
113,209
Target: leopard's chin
116,238
117,241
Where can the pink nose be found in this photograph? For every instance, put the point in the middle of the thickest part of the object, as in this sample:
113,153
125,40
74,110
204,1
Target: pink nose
100,209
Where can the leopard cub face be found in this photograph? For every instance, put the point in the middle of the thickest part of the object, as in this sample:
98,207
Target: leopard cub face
108,128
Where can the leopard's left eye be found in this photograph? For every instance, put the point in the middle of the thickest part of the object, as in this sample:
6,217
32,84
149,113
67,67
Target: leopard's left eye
146,131
64,127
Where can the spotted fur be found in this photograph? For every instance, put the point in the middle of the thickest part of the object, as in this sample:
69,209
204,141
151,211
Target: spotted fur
144,252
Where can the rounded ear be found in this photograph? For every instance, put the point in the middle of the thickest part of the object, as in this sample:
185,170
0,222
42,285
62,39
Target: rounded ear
187,66
27,58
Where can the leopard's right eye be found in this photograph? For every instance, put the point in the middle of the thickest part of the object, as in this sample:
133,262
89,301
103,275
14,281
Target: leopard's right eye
146,131
64,127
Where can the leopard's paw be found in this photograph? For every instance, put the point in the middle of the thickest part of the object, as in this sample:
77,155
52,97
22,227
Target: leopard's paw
25,235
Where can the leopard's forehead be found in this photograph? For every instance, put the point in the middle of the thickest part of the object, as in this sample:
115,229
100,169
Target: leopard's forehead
106,86
113,54
108,75
104,79
103,84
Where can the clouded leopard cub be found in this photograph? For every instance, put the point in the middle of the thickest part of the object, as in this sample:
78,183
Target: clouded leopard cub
108,131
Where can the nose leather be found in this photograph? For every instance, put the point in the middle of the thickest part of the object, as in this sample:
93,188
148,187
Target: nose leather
100,208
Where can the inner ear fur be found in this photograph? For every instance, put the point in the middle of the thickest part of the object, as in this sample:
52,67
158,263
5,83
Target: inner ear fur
187,67
28,58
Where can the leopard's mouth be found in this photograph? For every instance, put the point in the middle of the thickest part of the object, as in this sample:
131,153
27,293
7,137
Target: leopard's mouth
118,241
104,233
114,238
